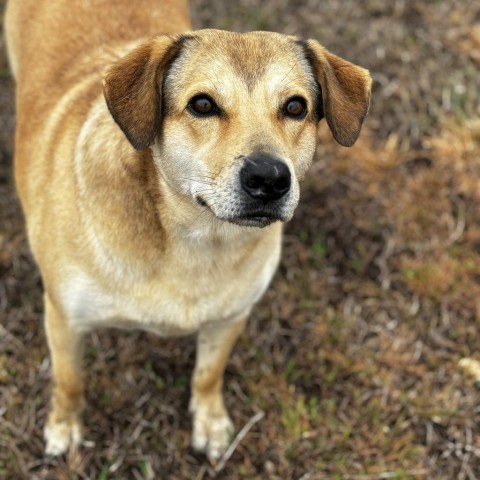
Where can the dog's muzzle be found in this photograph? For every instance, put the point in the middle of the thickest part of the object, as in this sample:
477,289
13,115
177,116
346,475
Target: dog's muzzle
265,182
262,192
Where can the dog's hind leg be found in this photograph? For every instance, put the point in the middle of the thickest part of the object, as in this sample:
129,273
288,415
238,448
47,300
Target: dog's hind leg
212,426
63,427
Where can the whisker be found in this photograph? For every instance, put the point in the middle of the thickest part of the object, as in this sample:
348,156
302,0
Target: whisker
205,210
289,72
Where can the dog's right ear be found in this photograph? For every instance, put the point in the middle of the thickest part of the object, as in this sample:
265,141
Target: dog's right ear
132,88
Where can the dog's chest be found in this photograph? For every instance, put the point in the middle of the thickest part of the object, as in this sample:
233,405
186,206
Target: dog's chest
183,297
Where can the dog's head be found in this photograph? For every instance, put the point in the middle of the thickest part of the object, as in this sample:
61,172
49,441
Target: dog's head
232,117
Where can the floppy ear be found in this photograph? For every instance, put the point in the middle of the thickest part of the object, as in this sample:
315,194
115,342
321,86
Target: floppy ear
132,88
345,92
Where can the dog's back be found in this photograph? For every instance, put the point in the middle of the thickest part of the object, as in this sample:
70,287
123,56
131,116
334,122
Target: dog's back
57,32
58,50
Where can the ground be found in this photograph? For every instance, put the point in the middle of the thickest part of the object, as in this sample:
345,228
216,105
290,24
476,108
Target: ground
349,367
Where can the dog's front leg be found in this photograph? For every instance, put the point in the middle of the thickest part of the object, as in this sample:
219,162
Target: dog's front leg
212,426
63,428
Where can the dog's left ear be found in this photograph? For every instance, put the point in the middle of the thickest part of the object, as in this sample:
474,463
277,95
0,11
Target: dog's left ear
345,92
132,88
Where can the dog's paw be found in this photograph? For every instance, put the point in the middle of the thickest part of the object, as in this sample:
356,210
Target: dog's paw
212,432
62,436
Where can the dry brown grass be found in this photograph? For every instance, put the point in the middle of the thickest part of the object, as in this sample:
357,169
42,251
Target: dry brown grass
353,354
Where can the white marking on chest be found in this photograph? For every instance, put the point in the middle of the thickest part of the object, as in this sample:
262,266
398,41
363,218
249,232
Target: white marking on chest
158,307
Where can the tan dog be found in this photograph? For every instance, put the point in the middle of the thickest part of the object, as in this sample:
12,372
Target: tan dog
157,224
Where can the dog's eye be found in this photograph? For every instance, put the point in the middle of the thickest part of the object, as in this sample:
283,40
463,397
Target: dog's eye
295,107
202,105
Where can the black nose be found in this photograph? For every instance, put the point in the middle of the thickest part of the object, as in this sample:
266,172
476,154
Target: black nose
264,177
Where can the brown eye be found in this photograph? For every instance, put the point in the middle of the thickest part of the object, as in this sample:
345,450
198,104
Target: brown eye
202,105
295,107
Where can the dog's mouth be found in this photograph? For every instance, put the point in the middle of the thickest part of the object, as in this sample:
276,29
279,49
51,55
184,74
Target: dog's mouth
251,218
254,219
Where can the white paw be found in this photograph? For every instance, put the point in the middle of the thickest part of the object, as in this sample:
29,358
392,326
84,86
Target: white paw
62,436
211,433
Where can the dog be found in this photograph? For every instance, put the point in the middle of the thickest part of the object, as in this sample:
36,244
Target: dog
156,166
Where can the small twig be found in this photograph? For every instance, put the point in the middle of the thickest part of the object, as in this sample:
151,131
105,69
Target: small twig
460,226
11,338
241,434
386,475
307,476
201,472
382,263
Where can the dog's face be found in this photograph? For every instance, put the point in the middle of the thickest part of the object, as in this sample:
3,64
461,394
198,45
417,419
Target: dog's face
232,118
